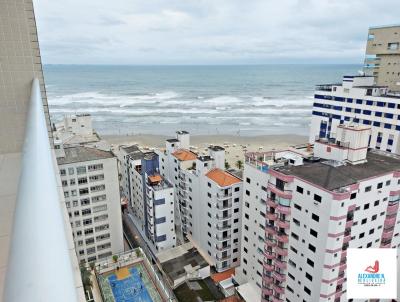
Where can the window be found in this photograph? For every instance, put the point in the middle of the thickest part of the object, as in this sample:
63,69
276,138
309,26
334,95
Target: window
62,172
310,262
368,189
314,233
247,180
380,185
311,247
295,236
309,277
353,195
81,170
315,217
297,206
366,206
376,203
317,198
364,221
306,289
299,190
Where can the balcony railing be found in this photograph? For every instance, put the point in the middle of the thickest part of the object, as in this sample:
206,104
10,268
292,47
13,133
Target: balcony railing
32,263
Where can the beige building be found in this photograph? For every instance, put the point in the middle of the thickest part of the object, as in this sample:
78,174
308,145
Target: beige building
382,57
34,244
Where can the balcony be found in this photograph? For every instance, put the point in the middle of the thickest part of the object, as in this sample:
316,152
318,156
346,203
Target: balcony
349,224
224,206
271,203
276,299
221,216
270,230
281,251
287,194
392,209
269,254
391,221
223,247
223,227
271,216
283,210
284,224
268,267
387,234
223,237
223,257
278,276
280,264
282,237
32,260
222,196
279,289
342,267
267,292
347,239
267,280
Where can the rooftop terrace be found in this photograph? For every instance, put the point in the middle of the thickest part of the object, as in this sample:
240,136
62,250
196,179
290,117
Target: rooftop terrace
333,178
81,154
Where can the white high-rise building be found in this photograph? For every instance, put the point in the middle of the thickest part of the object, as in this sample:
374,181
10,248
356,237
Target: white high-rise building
150,196
310,208
208,200
357,101
90,183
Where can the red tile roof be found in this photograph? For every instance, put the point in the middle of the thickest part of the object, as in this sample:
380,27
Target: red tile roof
183,155
222,178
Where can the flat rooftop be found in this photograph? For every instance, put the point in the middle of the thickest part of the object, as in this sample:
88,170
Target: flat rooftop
332,178
81,154
174,261
130,149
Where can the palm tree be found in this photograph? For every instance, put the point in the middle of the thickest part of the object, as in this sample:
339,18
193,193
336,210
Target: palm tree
227,165
239,164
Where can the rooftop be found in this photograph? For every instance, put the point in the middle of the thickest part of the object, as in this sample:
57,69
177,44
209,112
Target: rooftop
81,154
332,178
130,149
182,132
181,260
172,140
222,178
216,148
183,155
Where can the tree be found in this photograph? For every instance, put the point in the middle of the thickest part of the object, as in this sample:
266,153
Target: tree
86,281
227,165
239,164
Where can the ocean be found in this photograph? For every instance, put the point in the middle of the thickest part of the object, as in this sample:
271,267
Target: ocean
236,100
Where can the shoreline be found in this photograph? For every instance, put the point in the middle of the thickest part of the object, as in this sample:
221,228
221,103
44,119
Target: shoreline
235,146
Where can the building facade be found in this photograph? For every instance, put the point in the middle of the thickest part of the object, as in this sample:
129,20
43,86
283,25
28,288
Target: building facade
208,200
90,183
357,101
318,205
382,56
150,197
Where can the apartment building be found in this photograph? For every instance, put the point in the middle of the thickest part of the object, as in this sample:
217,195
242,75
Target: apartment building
208,200
382,56
357,101
317,205
35,238
89,178
150,196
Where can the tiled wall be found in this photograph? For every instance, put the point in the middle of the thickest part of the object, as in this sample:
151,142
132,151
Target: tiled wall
20,62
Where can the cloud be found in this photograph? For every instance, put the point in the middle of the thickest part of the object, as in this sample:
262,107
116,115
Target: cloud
208,31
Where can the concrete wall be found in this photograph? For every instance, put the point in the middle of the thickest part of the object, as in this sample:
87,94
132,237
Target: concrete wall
20,62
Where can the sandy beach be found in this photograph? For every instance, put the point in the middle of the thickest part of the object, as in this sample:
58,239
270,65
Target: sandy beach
235,146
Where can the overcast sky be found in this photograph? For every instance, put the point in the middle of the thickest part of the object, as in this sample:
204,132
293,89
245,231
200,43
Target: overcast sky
208,31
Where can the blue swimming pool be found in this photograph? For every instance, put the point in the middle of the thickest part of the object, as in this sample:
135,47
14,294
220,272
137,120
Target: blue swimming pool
130,289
